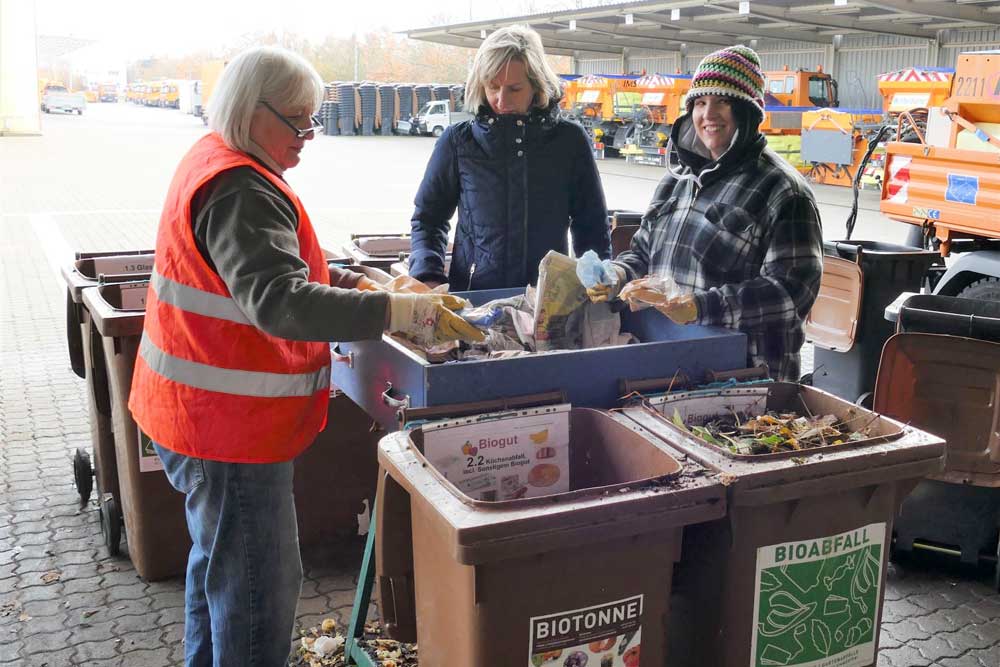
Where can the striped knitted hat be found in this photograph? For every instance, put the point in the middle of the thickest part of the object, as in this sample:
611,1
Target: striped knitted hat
735,72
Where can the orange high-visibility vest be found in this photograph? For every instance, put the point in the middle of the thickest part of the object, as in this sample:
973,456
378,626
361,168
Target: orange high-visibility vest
207,382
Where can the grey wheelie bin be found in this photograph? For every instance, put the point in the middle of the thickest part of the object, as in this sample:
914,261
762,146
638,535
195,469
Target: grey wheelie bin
87,360
558,550
795,573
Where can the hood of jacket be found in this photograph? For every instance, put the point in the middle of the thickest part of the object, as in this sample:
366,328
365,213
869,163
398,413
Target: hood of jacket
689,158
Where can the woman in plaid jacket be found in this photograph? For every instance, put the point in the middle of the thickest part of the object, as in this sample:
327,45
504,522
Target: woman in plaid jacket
732,223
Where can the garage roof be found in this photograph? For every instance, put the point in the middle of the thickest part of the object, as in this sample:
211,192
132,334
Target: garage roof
666,26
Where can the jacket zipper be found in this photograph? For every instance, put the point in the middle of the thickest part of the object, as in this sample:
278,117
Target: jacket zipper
472,272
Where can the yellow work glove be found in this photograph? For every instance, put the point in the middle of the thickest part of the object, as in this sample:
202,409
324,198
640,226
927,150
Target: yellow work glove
427,320
368,285
602,292
682,310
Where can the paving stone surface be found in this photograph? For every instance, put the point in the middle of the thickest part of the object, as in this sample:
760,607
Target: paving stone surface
96,183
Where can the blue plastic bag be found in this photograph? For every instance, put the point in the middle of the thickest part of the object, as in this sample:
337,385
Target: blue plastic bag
592,271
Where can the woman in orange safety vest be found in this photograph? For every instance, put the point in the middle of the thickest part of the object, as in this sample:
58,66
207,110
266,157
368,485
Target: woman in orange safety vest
232,377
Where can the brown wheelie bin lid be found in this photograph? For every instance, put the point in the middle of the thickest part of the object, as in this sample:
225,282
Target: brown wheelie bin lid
947,385
833,321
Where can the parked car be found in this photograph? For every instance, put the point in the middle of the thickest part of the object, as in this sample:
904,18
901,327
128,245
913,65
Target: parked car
57,98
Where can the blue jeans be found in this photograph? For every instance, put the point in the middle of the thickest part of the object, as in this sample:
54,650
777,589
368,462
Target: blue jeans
244,572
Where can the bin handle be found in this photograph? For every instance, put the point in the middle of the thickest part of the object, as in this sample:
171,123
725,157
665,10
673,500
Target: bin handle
341,358
394,402
855,248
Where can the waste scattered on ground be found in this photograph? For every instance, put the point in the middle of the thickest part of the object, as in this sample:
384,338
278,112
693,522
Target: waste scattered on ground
774,432
323,646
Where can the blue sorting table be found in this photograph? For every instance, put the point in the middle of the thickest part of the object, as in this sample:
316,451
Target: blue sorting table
382,375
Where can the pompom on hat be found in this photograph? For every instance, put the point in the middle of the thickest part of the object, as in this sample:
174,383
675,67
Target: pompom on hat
732,72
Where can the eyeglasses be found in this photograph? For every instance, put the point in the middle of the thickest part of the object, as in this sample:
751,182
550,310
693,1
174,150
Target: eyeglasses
300,133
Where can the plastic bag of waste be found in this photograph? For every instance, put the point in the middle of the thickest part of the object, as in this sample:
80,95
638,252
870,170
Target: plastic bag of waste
650,291
593,271
559,300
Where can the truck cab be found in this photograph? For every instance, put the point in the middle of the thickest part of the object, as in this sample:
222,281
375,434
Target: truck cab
435,116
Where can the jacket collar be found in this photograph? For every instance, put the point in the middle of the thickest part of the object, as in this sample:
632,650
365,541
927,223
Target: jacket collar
545,118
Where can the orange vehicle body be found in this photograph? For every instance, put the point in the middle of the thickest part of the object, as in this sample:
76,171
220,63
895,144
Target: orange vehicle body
794,89
841,124
913,88
949,182
663,96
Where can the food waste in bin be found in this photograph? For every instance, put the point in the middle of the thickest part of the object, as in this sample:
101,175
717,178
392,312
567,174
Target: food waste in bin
753,422
773,431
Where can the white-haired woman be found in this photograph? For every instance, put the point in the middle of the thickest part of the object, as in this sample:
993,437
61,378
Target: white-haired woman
519,175
233,372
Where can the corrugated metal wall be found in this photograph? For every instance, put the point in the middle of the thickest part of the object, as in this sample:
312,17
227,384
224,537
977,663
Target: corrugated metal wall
652,62
603,66
959,41
861,58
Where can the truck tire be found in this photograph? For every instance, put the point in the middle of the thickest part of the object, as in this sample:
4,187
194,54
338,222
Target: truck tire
79,112
437,131
986,289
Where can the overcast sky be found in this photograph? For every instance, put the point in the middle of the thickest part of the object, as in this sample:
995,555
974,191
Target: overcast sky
175,27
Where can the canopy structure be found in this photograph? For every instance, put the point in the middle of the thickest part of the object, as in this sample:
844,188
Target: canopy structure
675,26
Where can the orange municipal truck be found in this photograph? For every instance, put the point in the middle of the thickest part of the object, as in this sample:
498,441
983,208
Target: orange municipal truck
946,180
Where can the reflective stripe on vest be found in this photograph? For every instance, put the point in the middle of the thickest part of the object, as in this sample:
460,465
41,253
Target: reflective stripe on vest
196,301
229,381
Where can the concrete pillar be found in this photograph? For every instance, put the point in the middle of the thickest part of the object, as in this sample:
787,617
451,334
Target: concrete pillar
19,113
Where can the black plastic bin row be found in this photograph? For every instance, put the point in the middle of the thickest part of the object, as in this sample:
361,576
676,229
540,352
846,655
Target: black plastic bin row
387,98
369,106
347,112
404,94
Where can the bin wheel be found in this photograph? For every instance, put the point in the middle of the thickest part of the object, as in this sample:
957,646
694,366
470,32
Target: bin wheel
83,475
866,400
806,379
111,524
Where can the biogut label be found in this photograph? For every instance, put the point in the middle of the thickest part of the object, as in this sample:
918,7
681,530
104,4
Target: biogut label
816,601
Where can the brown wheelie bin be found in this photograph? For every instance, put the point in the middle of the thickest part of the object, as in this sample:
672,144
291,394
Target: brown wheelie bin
577,575
153,512
87,360
795,573
338,472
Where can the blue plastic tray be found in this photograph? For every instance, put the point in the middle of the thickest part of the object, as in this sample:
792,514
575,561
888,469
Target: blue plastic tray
590,378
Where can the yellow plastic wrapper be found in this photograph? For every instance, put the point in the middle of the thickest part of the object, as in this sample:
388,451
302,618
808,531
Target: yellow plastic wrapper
560,293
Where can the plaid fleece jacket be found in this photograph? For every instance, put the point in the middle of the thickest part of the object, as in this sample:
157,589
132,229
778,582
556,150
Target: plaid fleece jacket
746,239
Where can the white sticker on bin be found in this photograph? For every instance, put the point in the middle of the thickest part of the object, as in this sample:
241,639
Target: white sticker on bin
148,459
118,265
608,634
133,296
506,456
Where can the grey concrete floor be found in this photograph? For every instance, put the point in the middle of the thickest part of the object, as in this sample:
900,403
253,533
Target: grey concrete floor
97,182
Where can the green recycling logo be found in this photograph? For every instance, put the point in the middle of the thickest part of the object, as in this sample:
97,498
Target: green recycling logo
817,600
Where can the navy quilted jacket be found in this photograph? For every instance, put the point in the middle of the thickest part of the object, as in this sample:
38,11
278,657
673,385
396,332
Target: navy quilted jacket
519,183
